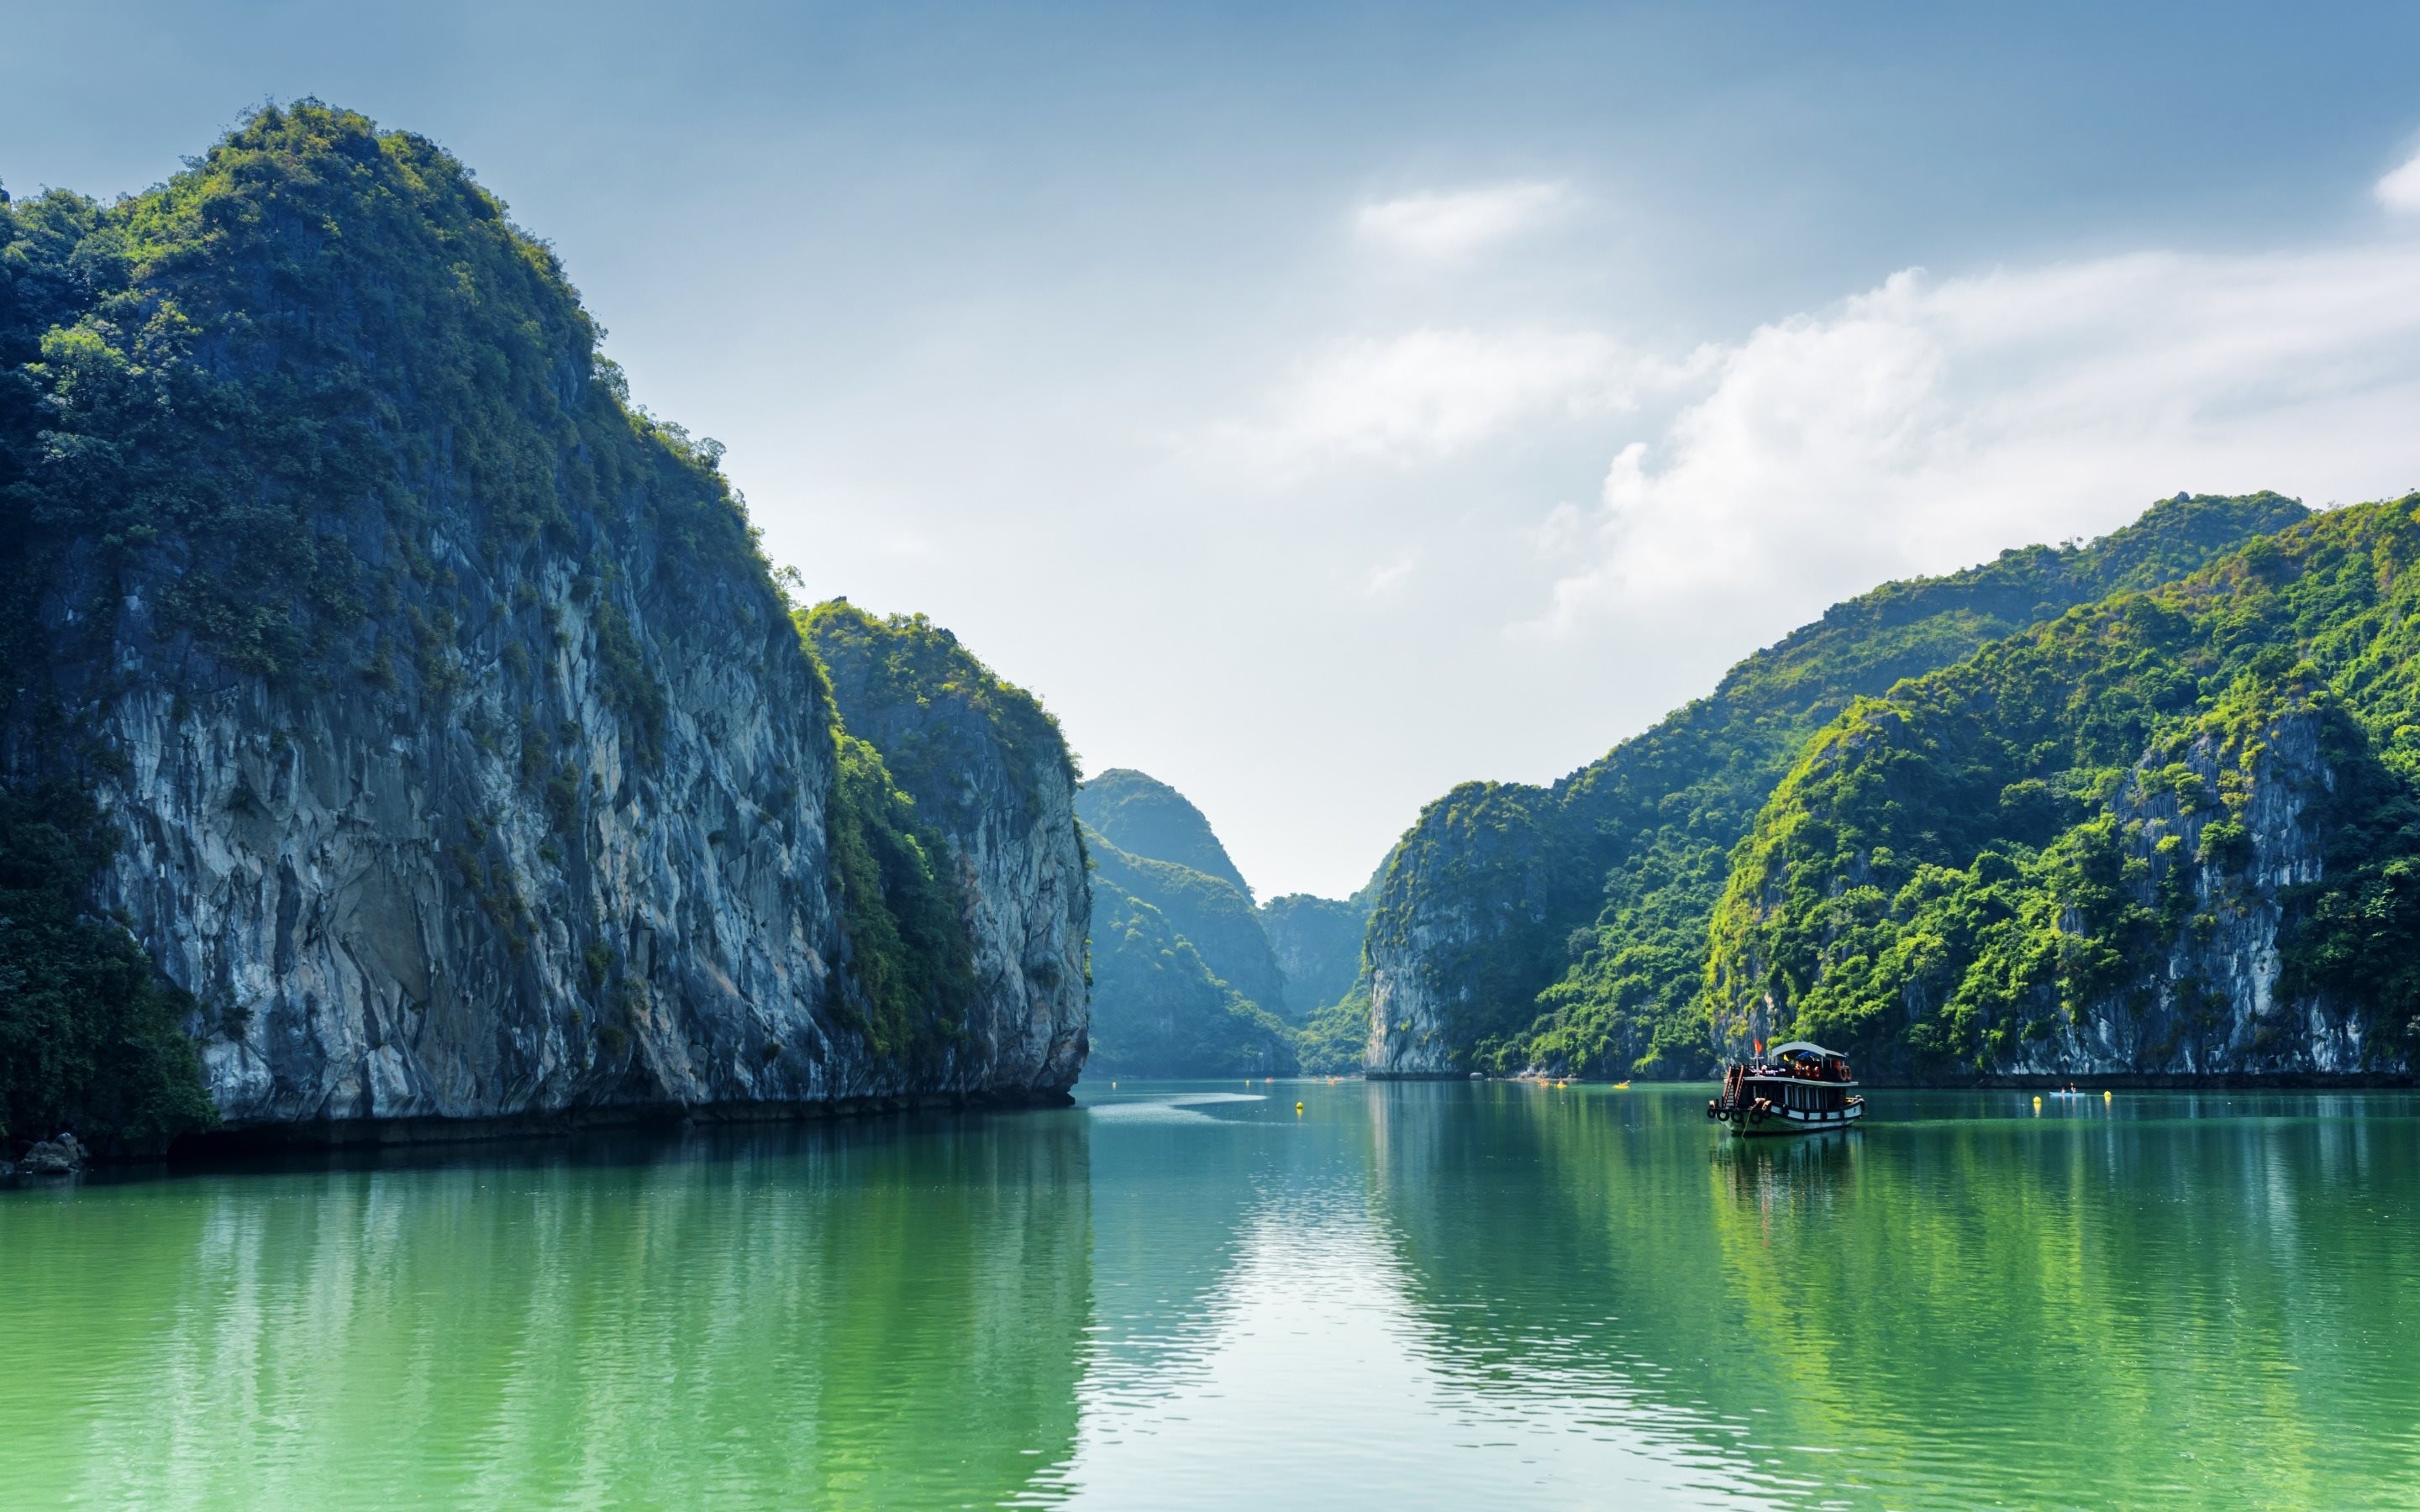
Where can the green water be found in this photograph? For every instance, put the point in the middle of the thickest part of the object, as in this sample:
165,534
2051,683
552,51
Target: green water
1432,1295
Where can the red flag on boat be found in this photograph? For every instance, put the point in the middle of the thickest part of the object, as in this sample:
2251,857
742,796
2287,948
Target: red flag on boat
1759,1047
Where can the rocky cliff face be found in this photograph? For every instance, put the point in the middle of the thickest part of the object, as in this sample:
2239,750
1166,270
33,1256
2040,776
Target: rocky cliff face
463,759
1565,927
1454,966
2209,1000
988,771
2167,835
2213,888
391,903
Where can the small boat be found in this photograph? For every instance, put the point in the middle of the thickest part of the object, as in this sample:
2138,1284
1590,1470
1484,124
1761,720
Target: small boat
1801,1088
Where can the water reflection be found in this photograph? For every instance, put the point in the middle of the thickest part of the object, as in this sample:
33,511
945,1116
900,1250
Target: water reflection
2161,1301
1414,1295
1284,1355
870,1315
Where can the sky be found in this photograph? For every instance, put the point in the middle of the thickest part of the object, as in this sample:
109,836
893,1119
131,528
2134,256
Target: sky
1321,406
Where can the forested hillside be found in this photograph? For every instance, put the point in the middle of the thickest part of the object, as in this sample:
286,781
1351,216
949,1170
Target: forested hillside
1565,927
1184,979
1143,816
1148,840
2170,833
1189,979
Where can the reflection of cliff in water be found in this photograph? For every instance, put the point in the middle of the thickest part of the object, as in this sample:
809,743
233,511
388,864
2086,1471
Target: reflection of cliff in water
2126,1297
879,1313
1545,1254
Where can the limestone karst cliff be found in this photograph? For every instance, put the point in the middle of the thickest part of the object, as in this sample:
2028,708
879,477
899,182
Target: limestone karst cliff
1565,927
448,752
2172,834
991,777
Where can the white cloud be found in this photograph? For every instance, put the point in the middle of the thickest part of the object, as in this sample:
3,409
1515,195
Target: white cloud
1928,423
2399,191
1446,226
1388,576
1429,393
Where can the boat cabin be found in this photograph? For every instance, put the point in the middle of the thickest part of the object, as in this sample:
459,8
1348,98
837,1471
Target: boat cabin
1798,1088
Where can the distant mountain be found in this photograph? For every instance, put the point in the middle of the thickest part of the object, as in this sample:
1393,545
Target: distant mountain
1160,1010
1214,917
1565,927
1318,945
1188,978
1143,816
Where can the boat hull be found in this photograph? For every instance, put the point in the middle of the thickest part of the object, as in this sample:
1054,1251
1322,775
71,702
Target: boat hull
1783,1121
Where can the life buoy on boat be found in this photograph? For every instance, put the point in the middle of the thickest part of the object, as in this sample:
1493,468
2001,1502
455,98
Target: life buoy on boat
1756,1114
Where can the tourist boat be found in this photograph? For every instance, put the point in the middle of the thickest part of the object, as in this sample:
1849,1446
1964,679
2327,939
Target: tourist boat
1801,1088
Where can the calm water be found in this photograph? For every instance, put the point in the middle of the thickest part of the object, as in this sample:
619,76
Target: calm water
1187,1296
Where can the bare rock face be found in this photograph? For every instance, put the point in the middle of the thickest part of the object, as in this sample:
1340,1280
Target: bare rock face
515,899
2212,1002
504,900
62,1156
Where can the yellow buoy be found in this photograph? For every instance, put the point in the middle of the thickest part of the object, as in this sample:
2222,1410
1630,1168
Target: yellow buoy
2037,1103
2105,1095
1297,1107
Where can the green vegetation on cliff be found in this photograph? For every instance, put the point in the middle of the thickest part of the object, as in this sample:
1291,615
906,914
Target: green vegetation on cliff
908,954
258,379
1566,926
932,706
241,398
2074,825
936,741
1335,1039
1158,1009
90,1039
1143,816
314,430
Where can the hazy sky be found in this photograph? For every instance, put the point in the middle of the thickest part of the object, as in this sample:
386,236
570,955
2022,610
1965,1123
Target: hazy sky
1319,406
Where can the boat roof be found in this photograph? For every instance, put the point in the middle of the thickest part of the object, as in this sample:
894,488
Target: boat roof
1804,1047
